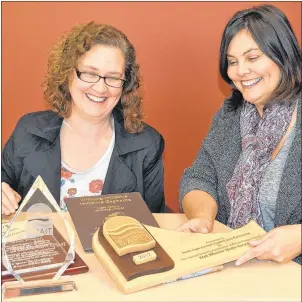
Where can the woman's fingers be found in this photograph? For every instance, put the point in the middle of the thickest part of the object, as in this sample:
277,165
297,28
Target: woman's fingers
196,225
261,251
17,196
5,210
10,193
7,206
261,240
184,228
250,254
10,199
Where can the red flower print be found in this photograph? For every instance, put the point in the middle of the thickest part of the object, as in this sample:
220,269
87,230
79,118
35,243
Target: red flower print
96,186
65,173
72,191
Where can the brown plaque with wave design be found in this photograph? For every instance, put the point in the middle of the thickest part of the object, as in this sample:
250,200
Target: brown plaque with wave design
123,238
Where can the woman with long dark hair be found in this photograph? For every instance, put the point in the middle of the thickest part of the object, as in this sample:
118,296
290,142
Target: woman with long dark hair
249,165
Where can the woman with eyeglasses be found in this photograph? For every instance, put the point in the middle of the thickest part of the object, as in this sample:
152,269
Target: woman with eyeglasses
249,165
93,141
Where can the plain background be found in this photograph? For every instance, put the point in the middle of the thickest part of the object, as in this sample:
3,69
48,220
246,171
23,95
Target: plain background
177,46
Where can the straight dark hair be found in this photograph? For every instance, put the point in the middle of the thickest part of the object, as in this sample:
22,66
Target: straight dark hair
273,33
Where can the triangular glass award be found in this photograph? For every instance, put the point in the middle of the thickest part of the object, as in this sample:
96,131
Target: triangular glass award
37,246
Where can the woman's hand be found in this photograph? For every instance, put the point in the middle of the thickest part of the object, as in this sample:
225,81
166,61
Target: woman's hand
10,199
201,209
197,225
281,244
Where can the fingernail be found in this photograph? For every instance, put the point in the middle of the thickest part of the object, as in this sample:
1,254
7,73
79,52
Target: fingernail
238,262
16,206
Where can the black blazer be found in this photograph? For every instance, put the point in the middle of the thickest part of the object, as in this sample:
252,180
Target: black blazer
34,149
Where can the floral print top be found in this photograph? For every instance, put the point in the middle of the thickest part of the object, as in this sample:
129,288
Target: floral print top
88,183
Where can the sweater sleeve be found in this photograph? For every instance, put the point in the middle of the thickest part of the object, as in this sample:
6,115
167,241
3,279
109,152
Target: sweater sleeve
202,174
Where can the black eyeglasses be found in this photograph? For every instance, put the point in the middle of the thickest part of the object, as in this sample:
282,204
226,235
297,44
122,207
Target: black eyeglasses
94,78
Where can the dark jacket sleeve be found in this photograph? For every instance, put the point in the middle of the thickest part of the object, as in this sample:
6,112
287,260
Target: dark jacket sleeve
11,161
7,166
154,176
202,174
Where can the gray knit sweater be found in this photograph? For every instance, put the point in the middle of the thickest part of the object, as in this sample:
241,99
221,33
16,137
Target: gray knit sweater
216,160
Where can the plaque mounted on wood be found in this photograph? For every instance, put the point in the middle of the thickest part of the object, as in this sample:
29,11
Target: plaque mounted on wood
132,238
192,254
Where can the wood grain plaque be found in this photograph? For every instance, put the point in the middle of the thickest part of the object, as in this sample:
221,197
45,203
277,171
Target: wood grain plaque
129,269
192,253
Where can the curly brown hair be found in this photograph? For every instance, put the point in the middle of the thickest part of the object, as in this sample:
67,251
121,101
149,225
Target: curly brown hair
64,57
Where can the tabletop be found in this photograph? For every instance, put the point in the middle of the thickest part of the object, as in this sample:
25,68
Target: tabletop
253,281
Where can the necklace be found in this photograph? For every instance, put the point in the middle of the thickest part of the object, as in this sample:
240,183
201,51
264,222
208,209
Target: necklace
65,123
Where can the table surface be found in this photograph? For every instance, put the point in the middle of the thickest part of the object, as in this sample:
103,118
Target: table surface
253,281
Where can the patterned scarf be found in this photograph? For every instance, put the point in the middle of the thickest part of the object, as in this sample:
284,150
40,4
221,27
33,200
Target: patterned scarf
260,137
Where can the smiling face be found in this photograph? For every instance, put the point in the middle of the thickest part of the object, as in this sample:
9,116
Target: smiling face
254,74
97,100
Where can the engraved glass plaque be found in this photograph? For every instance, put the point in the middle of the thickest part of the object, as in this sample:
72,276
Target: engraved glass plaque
37,246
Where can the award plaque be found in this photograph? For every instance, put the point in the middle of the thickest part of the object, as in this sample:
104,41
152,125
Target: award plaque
37,246
139,256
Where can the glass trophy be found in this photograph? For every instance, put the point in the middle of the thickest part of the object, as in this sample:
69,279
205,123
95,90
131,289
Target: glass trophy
37,246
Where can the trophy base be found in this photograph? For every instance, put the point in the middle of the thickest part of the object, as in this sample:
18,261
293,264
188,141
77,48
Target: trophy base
16,289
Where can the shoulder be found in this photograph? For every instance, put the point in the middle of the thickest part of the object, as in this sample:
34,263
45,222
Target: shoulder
148,138
225,123
151,133
157,141
44,124
38,118
225,114
225,120
153,140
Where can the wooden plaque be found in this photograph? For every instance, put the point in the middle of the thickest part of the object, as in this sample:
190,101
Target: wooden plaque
129,269
191,253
